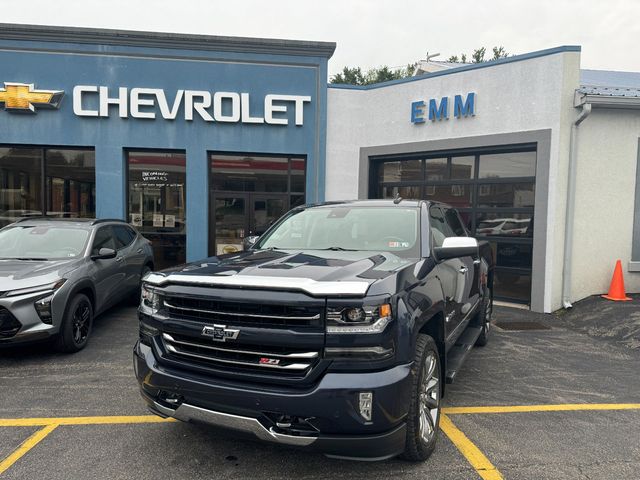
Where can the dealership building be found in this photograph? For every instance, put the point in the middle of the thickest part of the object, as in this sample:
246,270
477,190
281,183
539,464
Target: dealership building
199,141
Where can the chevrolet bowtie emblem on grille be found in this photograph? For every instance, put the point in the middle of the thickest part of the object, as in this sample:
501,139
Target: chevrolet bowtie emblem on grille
220,333
23,97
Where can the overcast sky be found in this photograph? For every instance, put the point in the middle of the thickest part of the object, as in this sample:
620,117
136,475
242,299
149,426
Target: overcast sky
371,33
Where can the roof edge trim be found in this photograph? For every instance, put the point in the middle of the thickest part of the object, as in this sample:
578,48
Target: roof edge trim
464,68
134,38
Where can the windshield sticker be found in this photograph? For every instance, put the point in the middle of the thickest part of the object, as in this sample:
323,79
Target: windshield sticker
398,244
39,230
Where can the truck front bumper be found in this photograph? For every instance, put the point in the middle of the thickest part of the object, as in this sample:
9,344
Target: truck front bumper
330,407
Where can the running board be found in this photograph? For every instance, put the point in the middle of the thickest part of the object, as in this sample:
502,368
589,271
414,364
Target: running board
458,353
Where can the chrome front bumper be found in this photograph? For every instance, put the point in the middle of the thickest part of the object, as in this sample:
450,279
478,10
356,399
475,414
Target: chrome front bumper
187,413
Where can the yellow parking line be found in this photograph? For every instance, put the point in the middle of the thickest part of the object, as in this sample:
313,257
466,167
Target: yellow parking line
541,408
474,456
109,420
27,445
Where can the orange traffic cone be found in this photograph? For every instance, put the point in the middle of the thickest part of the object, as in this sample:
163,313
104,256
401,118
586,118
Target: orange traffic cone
616,290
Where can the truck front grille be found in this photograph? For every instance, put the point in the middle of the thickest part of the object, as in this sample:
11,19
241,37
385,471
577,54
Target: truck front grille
278,360
243,314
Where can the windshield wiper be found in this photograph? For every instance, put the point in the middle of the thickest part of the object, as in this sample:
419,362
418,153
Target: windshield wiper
339,249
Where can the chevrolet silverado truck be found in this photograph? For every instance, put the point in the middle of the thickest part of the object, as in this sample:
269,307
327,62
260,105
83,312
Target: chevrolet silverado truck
336,330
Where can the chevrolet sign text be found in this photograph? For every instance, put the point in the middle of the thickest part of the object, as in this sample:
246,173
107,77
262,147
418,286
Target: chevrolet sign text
229,107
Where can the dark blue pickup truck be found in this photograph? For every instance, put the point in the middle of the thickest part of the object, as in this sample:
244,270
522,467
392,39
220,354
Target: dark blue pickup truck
336,330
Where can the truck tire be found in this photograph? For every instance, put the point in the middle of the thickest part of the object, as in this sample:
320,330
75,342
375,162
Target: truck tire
423,419
484,318
76,325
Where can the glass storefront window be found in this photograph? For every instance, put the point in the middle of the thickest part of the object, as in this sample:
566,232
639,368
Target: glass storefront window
70,182
462,168
250,174
455,195
508,195
66,190
157,195
437,169
408,192
298,175
504,224
504,165
20,184
402,171
249,193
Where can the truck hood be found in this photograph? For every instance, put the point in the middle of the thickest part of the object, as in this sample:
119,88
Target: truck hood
317,272
16,274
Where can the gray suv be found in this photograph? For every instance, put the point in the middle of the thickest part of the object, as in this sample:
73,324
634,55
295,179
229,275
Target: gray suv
56,275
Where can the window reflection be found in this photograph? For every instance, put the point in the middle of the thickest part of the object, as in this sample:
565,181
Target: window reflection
504,224
514,195
408,192
436,169
463,167
70,182
401,171
20,184
503,165
157,197
455,195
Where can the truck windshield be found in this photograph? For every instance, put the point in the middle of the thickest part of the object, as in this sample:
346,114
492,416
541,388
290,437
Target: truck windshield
42,242
380,229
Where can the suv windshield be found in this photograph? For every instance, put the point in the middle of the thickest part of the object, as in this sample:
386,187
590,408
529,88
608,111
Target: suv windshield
42,242
380,229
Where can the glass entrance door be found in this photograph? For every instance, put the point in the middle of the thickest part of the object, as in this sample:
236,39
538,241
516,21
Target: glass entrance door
264,211
239,215
230,218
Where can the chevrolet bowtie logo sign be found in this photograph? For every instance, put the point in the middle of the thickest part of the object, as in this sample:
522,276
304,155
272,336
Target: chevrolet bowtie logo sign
23,97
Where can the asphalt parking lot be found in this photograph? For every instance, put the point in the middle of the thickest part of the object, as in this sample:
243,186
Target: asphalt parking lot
533,404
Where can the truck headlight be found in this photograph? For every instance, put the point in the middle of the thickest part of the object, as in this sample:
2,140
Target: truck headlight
365,319
150,300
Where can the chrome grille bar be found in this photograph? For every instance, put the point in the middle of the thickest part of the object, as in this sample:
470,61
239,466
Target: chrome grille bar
292,366
302,355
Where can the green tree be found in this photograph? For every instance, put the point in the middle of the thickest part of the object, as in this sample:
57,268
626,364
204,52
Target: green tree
354,75
478,55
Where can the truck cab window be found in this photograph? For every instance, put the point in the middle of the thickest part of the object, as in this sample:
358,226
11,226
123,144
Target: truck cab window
453,219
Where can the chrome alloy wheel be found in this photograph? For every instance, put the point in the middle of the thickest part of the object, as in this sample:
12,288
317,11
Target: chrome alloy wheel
81,323
429,398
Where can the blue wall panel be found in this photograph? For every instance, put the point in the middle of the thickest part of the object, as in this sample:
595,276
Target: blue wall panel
62,67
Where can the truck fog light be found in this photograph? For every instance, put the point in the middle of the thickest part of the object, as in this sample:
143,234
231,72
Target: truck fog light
366,404
43,307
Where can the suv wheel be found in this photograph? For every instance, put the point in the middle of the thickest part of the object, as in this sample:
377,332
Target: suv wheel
424,409
485,313
76,325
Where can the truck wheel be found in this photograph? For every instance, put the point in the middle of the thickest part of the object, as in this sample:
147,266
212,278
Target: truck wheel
76,325
484,318
423,419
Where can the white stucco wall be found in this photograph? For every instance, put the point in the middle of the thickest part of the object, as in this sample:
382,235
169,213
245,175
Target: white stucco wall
527,95
605,198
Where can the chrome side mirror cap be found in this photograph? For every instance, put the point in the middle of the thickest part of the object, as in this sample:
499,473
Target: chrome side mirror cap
456,247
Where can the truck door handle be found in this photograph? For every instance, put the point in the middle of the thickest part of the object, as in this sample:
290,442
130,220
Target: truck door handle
140,251
119,259
476,261
463,270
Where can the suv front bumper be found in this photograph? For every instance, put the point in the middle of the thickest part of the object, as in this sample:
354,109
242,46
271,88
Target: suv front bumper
331,407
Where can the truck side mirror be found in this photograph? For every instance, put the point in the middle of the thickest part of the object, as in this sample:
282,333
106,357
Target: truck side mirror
456,247
250,241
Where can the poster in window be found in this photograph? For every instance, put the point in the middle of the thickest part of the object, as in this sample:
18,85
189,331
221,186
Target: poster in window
170,221
158,220
136,219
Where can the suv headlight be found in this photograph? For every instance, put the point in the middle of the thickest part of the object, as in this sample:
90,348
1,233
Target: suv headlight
46,288
364,319
150,300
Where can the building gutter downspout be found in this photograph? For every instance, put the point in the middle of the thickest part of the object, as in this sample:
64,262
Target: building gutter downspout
571,203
